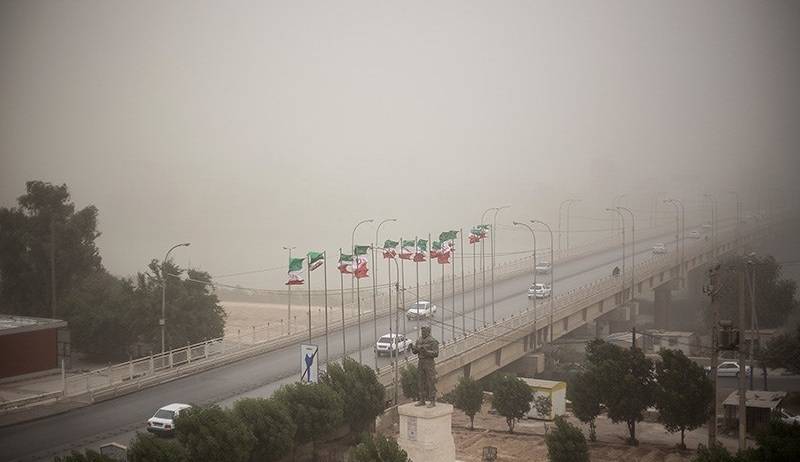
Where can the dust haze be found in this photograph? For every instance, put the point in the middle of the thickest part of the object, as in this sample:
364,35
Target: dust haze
243,127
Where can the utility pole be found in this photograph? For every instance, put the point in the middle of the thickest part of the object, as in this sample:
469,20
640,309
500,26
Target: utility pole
712,290
289,298
53,266
742,368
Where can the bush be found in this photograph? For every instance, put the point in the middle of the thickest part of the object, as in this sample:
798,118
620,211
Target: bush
490,382
408,380
585,397
150,448
512,399
271,425
212,433
565,443
358,387
315,408
88,456
378,448
468,396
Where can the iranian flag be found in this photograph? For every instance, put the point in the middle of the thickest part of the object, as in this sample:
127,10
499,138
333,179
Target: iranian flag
389,248
315,260
478,233
345,265
446,253
361,261
419,253
436,248
408,249
295,272
448,236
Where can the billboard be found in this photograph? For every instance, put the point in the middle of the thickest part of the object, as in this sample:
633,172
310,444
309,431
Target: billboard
309,363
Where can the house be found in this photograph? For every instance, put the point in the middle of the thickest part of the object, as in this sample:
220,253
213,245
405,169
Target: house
685,341
556,391
623,339
32,346
760,408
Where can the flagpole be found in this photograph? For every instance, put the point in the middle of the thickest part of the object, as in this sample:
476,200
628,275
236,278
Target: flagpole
443,309
463,287
341,287
389,264
453,294
308,265
416,266
402,279
430,274
358,304
289,296
325,275
375,298
474,291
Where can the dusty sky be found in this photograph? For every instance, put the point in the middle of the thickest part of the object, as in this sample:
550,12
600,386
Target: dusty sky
245,126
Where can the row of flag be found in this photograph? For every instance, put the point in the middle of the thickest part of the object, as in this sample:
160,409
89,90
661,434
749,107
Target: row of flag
413,250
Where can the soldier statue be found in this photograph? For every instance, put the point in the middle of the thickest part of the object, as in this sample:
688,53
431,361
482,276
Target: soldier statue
427,349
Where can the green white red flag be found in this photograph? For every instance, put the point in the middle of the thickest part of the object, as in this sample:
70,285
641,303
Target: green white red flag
361,261
408,249
389,248
295,272
315,260
436,247
421,249
446,253
345,265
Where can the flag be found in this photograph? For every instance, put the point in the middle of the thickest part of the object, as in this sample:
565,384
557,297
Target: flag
361,267
295,272
445,253
477,233
388,248
407,250
448,236
345,264
315,260
361,249
436,247
422,247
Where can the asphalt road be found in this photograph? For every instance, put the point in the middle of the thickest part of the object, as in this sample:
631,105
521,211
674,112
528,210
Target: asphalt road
120,418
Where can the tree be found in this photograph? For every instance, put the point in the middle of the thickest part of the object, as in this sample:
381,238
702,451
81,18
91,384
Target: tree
358,387
683,395
778,441
783,350
543,405
585,397
316,410
271,425
625,380
378,448
565,443
468,397
44,225
211,433
512,400
408,380
88,456
150,448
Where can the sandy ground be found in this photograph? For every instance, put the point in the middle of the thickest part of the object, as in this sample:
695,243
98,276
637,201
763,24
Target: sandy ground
243,316
527,443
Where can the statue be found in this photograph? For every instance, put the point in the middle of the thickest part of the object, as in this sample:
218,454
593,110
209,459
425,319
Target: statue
426,348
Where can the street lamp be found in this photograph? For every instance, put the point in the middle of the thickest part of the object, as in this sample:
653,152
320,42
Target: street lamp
680,233
163,320
375,284
714,218
289,296
353,251
633,250
533,235
552,272
494,238
622,220
483,264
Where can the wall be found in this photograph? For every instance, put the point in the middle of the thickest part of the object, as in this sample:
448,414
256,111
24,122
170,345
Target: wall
28,352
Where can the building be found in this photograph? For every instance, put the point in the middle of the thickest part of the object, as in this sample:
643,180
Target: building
32,346
685,341
623,339
761,406
556,391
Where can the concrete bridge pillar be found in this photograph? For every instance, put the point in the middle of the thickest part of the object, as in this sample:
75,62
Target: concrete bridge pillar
661,306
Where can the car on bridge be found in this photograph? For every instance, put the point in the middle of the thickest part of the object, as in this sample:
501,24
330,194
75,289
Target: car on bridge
728,369
420,310
540,290
544,267
392,344
694,235
163,421
659,248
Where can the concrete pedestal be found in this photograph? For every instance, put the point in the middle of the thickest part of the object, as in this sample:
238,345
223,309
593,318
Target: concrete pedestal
426,433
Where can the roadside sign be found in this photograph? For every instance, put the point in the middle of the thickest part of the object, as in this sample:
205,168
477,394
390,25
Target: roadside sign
309,363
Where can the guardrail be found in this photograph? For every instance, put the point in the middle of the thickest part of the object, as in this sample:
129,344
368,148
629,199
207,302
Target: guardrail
135,374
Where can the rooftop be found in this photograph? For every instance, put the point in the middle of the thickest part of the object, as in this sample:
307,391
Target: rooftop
762,399
10,324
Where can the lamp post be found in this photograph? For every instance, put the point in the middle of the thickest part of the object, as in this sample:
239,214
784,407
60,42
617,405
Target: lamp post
533,235
289,297
633,252
375,284
738,214
494,238
163,320
713,200
483,265
352,292
622,220
552,272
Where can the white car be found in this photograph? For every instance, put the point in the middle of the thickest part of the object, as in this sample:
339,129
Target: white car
423,309
539,290
163,421
544,267
728,369
694,235
659,248
788,418
706,226
392,344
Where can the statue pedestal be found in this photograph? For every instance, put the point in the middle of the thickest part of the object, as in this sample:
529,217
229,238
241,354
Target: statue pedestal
426,433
